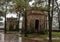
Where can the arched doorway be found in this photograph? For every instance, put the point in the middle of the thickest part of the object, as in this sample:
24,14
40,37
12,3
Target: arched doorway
36,25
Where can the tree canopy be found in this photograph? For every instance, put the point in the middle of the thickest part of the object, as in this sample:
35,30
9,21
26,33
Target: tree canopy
21,4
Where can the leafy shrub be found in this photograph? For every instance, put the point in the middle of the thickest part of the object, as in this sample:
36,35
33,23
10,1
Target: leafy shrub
43,31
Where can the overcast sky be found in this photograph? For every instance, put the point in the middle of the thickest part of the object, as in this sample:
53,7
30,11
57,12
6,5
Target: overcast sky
31,2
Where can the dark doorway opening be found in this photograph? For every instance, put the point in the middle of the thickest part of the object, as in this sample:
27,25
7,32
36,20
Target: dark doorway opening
36,24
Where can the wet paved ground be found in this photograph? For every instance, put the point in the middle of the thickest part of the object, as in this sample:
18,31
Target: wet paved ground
14,38
9,37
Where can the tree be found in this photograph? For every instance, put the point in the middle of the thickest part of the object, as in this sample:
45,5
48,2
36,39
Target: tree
40,5
50,18
21,4
21,7
58,12
1,8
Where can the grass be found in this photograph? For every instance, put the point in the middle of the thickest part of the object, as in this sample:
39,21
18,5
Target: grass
48,41
36,35
54,35
56,41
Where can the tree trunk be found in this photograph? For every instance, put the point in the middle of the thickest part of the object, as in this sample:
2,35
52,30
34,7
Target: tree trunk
5,17
25,24
50,17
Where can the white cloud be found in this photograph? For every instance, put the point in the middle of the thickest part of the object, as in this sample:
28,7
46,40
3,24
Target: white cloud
58,1
9,15
31,2
21,18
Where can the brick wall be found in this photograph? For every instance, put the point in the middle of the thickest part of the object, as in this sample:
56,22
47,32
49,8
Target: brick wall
32,16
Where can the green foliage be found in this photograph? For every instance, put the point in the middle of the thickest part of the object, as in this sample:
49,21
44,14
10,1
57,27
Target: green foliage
38,2
31,30
1,4
2,13
43,31
21,3
30,0
40,8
